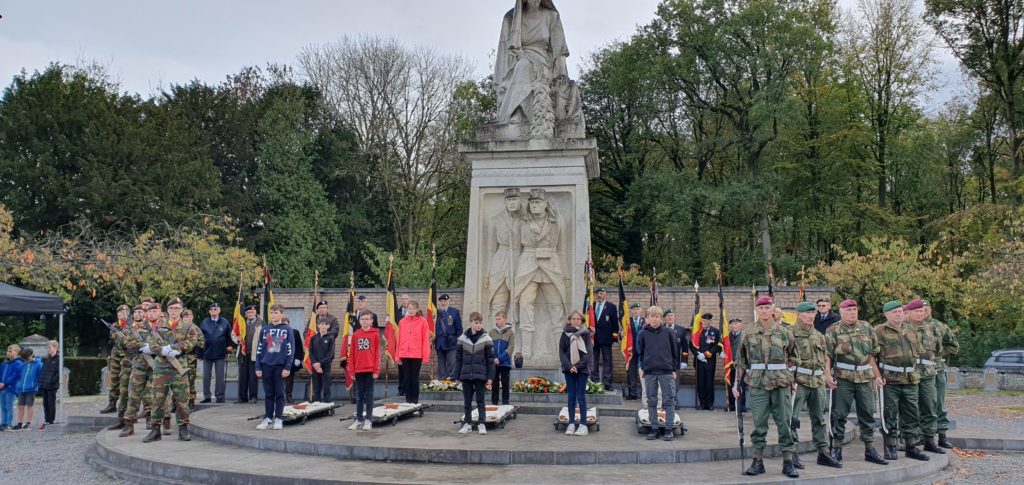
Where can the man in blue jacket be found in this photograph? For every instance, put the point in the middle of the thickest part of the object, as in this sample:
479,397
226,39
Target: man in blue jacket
606,333
217,334
447,330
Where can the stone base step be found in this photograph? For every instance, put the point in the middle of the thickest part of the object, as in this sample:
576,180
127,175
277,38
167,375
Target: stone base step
173,462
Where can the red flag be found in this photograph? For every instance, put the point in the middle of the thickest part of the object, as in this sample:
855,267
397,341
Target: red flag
390,322
588,297
698,322
432,300
726,339
625,324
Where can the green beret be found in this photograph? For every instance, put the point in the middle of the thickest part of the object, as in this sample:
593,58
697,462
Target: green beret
634,305
667,311
892,305
926,303
805,306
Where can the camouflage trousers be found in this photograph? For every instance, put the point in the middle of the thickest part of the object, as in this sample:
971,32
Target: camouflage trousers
169,389
114,366
191,376
139,392
124,382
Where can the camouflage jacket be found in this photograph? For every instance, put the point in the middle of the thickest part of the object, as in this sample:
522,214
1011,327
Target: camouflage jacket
810,356
899,347
180,337
137,334
950,345
117,344
763,346
193,355
931,346
851,344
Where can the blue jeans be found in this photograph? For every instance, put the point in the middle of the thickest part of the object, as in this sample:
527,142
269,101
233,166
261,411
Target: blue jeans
576,387
6,407
273,392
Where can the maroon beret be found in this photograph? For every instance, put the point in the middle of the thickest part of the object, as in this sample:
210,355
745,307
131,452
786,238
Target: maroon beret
913,305
848,304
764,300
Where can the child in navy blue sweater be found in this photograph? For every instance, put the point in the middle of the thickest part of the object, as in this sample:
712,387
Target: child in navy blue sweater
275,351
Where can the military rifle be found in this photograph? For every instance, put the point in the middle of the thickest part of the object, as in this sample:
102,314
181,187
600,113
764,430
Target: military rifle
135,333
170,358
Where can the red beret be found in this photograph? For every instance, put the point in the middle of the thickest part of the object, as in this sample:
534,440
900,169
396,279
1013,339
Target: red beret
848,304
764,300
913,305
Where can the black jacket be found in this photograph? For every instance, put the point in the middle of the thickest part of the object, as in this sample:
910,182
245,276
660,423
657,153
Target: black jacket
583,366
607,324
321,349
49,376
822,323
217,335
710,341
300,354
474,357
658,350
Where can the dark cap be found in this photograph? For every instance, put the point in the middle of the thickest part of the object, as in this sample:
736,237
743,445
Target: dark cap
707,316
250,307
444,296
123,307
214,305
361,298
634,305
321,303
174,301
599,290
511,192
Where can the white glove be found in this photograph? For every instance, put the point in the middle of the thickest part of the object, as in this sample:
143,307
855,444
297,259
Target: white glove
145,349
174,353
166,350
700,357
721,354
298,362
682,365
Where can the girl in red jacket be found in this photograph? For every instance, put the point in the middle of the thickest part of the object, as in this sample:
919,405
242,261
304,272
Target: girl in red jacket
413,349
364,362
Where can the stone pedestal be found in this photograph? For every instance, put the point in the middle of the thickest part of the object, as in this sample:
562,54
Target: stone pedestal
517,258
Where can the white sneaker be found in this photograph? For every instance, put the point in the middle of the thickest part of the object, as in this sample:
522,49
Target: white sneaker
367,425
466,428
481,428
278,424
582,430
355,425
570,429
264,424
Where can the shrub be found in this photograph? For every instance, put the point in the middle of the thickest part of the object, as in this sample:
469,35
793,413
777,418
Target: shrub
86,373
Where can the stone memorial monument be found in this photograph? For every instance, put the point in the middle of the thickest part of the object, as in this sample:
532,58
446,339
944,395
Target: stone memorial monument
529,213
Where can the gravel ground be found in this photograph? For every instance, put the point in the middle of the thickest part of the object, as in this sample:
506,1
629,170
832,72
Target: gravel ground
1001,412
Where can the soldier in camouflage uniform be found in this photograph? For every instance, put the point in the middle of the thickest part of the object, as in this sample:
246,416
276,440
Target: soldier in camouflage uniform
899,351
115,360
809,370
139,391
851,346
927,362
193,360
950,346
124,379
765,350
171,339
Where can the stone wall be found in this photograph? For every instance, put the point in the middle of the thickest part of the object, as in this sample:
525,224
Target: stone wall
738,304
986,379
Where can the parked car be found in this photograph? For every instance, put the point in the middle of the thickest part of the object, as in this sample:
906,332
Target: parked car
1006,360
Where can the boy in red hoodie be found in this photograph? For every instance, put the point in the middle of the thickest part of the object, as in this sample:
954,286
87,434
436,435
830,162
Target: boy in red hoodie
364,363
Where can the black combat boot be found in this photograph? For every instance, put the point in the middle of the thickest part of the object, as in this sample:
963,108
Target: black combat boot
943,442
756,467
111,407
797,463
184,434
824,459
890,452
154,433
929,446
167,425
789,470
128,429
913,452
837,453
872,456
119,425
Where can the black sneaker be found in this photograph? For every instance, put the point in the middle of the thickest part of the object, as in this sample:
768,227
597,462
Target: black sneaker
666,435
653,434
220,401
206,401
16,427
241,401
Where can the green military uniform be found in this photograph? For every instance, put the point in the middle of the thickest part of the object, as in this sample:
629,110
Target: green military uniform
931,348
808,370
193,364
125,376
950,346
899,351
850,347
139,391
167,383
765,350
115,362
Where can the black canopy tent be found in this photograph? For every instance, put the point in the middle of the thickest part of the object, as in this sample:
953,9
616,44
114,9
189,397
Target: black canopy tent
19,301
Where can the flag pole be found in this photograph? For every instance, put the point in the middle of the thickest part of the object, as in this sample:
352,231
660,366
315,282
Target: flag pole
238,299
316,283
431,297
696,312
387,361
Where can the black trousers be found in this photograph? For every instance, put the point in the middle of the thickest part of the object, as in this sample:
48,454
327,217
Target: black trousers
743,392
289,384
633,379
401,380
248,384
273,390
601,365
364,396
322,384
412,380
474,389
706,383
501,379
49,405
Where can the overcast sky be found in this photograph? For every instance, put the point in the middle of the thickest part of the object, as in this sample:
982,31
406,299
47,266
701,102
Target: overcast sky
147,45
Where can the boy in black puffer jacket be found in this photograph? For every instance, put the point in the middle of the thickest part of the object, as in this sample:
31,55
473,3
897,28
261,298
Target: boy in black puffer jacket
49,382
474,366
